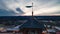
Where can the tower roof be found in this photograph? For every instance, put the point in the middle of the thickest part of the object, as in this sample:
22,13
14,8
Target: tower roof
32,24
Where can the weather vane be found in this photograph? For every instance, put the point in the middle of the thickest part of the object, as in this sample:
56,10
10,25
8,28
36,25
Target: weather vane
31,7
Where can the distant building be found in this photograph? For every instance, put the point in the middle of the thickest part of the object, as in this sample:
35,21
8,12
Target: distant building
21,19
29,25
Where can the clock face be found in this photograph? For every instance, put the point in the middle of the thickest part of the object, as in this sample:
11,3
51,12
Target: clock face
19,7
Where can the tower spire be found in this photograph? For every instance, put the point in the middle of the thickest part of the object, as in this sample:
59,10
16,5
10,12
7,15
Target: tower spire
32,9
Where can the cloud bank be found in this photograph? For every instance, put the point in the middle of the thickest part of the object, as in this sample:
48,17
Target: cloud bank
41,7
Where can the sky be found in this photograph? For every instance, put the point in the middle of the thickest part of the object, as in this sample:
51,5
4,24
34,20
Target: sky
40,7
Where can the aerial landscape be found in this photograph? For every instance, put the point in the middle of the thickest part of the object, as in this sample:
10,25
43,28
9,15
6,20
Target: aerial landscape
29,16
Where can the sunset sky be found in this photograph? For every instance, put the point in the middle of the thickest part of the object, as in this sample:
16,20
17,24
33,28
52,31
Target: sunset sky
41,7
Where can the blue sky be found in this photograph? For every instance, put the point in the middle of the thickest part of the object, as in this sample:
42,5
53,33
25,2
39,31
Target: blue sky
41,7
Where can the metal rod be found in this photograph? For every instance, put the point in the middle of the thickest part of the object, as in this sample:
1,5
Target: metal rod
32,10
32,13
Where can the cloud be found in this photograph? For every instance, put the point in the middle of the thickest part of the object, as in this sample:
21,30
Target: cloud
6,13
10,7
40,6
57,12
45,7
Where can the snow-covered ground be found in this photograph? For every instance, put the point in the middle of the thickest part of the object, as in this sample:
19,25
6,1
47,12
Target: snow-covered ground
58,28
